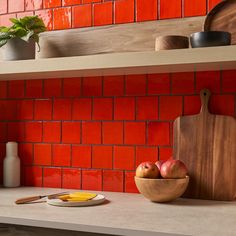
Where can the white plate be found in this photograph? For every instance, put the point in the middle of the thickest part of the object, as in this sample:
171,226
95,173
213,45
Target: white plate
95,201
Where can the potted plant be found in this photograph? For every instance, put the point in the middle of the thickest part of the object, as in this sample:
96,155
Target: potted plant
20,38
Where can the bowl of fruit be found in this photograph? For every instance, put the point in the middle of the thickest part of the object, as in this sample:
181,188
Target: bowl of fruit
162,181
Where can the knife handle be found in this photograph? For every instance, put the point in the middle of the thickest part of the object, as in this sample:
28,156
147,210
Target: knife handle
27,199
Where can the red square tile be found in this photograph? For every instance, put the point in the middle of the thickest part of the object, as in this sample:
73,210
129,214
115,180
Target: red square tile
34,88
15,6
196,9
192,105
92,86
91,132
82,109
16,131
71,178
33,5
71,87
90,1
26,153
112,132
3,89
52,177
10,109
24,13
146,10
145,154
52,88
33,176
165,153
43,154
102,13
147,108
61,155
212,3
124,11
62,109
92,180
86,12
51,132
16,89
3,131
25,110
124,108
183,83
209,80
81,156
4,19
102,108
124,158
158,133
229,81
135,132
3,6
130,186
71,132
62,18
47,17
170,107
71,2
113,181
170,9
113,85
33,131
158,84
43,109
135,84
102,157
51,3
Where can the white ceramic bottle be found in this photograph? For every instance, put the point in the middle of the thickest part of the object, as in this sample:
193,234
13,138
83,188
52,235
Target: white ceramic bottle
11,166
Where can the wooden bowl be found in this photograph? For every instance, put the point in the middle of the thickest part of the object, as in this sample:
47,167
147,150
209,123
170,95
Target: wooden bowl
171,42
161,190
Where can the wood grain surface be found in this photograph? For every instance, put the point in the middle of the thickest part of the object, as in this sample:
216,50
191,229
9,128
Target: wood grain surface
206,143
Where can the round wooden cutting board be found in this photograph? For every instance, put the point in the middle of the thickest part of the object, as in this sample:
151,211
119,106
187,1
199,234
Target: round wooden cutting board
222,18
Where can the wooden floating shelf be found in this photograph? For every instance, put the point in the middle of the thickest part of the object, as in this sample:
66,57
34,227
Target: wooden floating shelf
182,60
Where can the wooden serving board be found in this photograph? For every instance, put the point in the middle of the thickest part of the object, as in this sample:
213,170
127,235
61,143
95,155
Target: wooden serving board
206,143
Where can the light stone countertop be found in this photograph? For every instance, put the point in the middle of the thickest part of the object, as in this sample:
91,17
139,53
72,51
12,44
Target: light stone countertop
122,214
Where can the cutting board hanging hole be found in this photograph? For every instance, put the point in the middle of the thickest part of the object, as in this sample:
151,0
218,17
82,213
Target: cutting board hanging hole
205,95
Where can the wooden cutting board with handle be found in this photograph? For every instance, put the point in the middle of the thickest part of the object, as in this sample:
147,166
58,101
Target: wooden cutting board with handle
206,143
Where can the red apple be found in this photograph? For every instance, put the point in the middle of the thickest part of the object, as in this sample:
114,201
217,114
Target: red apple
147,170
159,164
173,169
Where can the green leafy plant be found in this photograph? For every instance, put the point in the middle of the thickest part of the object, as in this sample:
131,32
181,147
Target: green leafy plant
25,28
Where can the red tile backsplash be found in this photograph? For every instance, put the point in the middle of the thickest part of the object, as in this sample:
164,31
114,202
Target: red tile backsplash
71,132
103,13
82,10
51,3
113,180
15,6
81,156
51,132
170,9
43,154
33,4
3,6
62,18
194,8
124,11
92,179
61,155
102,157
146,10
71,178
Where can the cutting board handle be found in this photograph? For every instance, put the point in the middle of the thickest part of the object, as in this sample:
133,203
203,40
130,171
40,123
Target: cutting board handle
205,95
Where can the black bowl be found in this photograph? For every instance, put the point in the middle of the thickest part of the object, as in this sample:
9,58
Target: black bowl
210,39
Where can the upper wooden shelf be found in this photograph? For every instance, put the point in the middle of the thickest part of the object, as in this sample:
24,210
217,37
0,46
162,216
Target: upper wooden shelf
182,60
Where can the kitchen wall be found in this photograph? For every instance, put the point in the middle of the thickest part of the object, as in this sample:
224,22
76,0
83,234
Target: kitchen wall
91,133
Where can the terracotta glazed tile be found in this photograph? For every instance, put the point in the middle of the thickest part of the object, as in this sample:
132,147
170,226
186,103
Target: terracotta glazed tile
62,18
3,89
102,108
81,156
135,84
33,88
52,87
212,3
61,155
196,9
90,1
158,84
82,109
16,89
113,85
51,3
170,107
102,13
124,108
170,9
182,83
124,11
146,10
130,186
91,132
25,110
112,132
82,16
46,16
26,153
3,6
16,131
33,176
192,105
102,157
51,132
145,154
33,5
71,2
92,180
158,133
165,153
10,109
147,108
124,158
33,131
15,6
113,180
71,178
43,154
43,109
71,87
52,177
92,86
229,81
71,132
3,131
62,109
135,133
4,19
